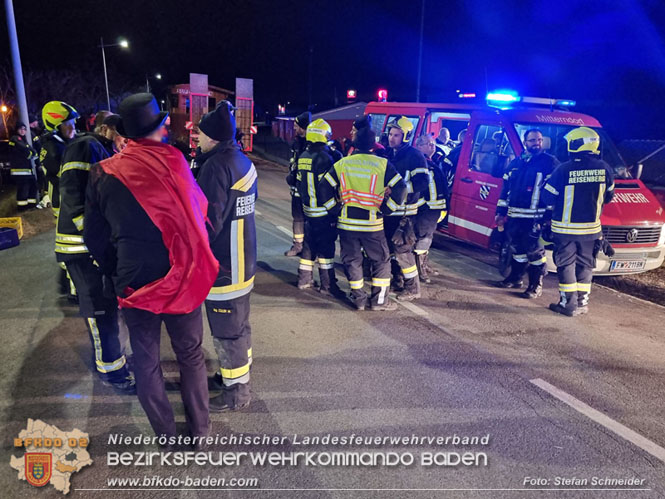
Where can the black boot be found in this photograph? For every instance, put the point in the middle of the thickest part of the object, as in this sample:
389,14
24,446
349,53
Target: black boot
422,270
329,285
305,279
232,398
514,280
567,305
535,288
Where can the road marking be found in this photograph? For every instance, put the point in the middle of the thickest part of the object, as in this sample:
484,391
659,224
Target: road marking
284,230
414,308
623,431
257,212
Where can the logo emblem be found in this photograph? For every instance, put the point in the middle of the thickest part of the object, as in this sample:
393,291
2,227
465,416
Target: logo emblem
484,192
631,235
38,468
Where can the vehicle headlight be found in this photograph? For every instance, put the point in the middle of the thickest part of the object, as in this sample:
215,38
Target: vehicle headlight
661,239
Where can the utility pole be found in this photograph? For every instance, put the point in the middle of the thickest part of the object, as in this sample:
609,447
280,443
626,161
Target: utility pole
420,50
18,70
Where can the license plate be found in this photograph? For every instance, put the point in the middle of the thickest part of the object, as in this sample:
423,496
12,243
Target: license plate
623,265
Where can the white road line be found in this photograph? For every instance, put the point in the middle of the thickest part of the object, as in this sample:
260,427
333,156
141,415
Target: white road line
413,308
257,212
284,230
623,431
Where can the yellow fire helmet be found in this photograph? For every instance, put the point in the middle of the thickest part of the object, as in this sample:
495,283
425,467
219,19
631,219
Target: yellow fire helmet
404,125
55,112
318,131
583,139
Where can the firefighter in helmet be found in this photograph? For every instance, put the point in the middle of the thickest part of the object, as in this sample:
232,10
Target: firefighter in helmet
574,197
411,165
320,231
360,189
60,121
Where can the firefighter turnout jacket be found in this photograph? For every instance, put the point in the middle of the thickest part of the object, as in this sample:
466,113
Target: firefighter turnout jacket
297,148
355,188
22,155
523,182
228,178
312,165
575,194
77,159
411,165
50,157
437,190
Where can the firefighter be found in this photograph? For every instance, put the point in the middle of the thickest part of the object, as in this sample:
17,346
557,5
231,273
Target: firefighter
297,148
360,188
97,305
432,211
228,179
574,197
519,211
23,156
359,124
60,121
320,232
411,165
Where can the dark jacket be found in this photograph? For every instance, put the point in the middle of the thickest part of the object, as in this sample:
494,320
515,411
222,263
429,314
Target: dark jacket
228,178
313,164
574,197
522,186
21,156
120,235
436,193
78,158
297,148
411,165
50,157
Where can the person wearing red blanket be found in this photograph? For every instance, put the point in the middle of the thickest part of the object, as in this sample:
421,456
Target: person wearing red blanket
145,226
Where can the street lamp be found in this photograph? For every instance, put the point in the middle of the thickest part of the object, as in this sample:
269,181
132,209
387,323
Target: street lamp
3,110
122,43
158,76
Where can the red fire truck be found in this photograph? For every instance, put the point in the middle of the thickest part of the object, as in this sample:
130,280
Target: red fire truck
634,223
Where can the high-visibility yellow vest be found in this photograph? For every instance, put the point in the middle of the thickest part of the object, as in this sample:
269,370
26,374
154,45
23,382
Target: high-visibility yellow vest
361,185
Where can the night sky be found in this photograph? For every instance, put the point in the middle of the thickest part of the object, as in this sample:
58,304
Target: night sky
608,55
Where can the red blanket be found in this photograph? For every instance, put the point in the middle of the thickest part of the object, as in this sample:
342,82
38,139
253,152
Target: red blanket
160,179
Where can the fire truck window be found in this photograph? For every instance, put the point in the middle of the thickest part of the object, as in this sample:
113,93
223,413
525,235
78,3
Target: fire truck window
414,121
377,121
486,149
174,102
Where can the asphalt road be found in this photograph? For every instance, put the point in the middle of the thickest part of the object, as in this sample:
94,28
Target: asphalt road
555,397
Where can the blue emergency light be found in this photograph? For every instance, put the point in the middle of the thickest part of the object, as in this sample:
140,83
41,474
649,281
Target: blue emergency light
502,97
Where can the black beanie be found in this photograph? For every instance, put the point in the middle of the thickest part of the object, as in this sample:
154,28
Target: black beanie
302,120
219,124
362,122
365,139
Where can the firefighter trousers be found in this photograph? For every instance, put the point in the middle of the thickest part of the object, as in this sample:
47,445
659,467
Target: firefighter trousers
100,310
232,338
298,219
404,259
376,249
319,245
186,334
574,265
425,226
528,247
26,190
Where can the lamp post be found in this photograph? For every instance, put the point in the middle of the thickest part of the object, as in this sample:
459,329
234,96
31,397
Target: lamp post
122,43
157,76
